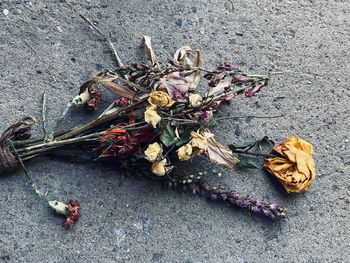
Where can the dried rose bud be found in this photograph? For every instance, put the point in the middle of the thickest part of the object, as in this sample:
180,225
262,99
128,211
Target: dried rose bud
206,116
122,102
227,99
213,105
253,90
240,80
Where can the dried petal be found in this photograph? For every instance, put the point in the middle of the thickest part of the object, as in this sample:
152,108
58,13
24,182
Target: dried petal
149,51
220,154
195,100
184,153
154,151
151,116
159,168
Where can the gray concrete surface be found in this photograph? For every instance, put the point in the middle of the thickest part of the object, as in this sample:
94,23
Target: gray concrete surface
138,221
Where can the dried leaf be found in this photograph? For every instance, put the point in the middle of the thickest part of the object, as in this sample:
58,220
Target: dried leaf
149,51
220,154
219,89
181,57
195,76
246,162
168,136
117,89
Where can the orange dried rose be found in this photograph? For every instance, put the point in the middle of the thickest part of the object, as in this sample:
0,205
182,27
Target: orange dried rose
161,99
295,168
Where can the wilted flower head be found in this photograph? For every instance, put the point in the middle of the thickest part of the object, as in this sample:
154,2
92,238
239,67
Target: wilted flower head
154,151
205,116
89,97
199,143
159,168
70,210
122,102
151,116
161,99
195,100
295,169
184,152
178,96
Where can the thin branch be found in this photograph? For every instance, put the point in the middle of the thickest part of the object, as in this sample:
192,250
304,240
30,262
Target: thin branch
249,116
254,153
107,39
43,113
30,180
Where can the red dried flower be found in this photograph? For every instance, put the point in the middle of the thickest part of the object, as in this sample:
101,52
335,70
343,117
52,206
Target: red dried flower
73,213
95,99
122,102
119,143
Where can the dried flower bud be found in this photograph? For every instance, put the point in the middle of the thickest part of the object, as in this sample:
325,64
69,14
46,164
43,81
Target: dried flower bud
90,98
195,100
154,151
160,168
161,99
253,90
122,102
227,99
70,210
151,116
184,152
205,116
95,99
240,80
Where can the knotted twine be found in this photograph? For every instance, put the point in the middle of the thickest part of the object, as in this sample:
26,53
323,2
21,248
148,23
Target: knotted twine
17,131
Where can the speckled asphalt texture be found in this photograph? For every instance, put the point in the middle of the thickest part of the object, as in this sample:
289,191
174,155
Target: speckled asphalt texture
45,46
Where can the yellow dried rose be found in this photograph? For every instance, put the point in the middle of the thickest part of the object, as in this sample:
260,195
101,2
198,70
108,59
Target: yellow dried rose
161,99
154,151
199,143
195,100
295,168
184,152
151,116
159,168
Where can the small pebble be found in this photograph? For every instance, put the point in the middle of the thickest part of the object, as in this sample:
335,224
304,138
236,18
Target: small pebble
59,29
6,12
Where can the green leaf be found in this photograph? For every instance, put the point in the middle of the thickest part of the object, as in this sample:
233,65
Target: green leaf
185,138
168,136
178,109
246,162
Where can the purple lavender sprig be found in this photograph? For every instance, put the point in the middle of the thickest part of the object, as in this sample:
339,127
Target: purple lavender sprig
257,206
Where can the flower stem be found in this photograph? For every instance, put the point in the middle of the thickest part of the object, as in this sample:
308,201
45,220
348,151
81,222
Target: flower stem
254,153
29,179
